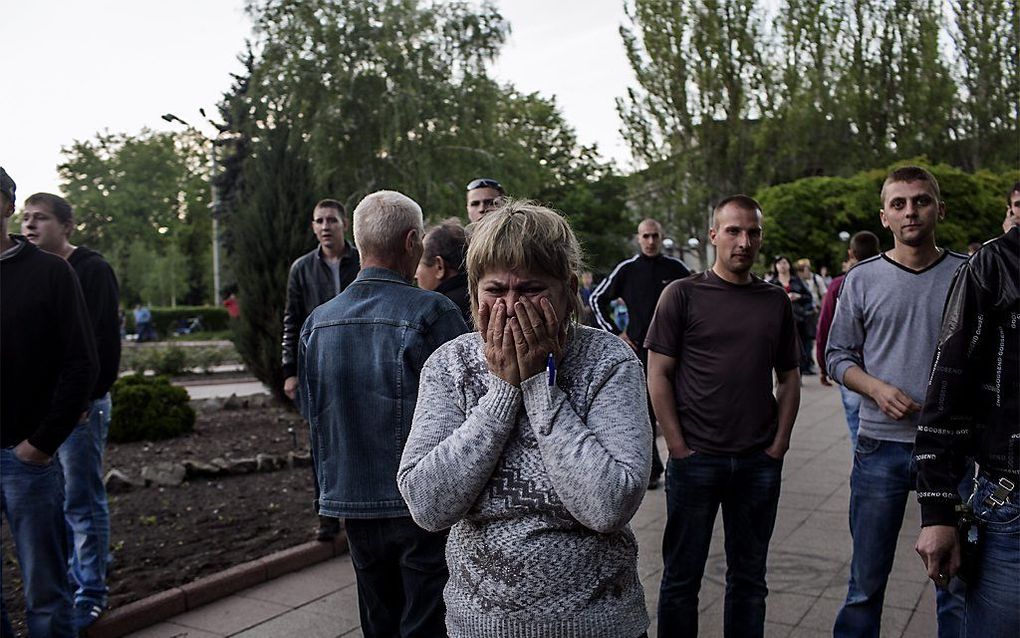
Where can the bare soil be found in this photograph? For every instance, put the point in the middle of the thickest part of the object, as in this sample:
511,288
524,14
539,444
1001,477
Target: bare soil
165,537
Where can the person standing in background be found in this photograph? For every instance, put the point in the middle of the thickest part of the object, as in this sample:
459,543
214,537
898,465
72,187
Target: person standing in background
48,221
314,279
47,373
863,245
639,281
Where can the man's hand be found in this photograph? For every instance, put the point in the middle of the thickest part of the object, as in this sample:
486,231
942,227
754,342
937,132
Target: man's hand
778,449
824,379
679,451
500,349
939,548
31,454
893,402
623,336
1010,221
290,387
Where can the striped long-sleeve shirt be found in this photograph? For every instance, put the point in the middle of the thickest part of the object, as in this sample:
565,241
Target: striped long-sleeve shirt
971,407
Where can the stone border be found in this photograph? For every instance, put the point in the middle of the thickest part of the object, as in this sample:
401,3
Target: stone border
177,600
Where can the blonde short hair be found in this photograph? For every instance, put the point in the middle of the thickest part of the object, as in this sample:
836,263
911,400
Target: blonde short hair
380,221
522,235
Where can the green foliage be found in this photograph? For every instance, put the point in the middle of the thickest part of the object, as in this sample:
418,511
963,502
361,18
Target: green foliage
803,218
149,409
724,104
175,360
170,361
270,229
142,201
343,98
988,53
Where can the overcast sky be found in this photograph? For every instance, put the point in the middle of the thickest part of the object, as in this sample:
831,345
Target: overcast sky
72,68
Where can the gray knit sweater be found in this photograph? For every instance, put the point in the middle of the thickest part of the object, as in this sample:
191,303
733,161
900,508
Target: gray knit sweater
538,484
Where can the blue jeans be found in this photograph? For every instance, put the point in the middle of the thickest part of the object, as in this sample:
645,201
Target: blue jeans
401,572
85,506
852,410
993,600
882,478
33,501
747,488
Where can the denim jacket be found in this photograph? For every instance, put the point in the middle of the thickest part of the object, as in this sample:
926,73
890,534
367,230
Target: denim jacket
359,361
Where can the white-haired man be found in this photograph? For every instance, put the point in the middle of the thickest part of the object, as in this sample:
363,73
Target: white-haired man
359,359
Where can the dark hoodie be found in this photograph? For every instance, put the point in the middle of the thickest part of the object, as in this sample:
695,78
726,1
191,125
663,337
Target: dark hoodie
102,296
972,409
48,352
456,289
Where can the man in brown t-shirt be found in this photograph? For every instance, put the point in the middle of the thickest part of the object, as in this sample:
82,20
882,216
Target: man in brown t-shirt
714,342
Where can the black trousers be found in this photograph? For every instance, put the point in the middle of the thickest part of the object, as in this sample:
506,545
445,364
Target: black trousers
657,467
401,573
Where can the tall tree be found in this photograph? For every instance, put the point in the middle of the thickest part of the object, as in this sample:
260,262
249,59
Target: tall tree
346,97
144,192
700,70
987,38
806,130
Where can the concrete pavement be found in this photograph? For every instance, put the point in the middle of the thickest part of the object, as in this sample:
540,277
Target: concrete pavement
808,562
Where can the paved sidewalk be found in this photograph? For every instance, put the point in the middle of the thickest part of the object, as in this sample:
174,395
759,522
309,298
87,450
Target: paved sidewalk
808,561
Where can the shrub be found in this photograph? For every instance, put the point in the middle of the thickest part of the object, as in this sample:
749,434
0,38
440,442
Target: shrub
149,409
175,360
207,358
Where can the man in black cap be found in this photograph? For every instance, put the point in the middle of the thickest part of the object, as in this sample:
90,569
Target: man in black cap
483,195
49,367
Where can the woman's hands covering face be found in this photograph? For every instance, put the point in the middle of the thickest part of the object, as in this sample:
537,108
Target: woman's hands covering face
517,347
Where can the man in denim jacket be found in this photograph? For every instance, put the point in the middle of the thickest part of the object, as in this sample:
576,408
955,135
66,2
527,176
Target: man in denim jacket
359,360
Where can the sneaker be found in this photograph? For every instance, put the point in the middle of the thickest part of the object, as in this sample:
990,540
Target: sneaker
85,615
329,527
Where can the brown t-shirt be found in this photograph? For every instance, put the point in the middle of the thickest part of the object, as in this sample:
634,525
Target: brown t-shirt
727,339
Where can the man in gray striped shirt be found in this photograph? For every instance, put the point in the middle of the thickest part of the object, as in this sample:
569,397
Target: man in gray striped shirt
881,345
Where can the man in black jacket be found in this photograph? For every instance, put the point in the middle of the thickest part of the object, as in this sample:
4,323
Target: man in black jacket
314,279
49,368
639,281
972,410
47,221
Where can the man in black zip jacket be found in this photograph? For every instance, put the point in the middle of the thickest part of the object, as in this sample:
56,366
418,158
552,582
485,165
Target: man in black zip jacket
639,281
972,410
314,279
48,221
49,368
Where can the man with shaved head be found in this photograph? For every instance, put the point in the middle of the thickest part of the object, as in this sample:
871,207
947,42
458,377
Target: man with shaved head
639,281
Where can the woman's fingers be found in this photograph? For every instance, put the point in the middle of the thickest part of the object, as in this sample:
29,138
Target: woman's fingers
552,322
483,321
522,343
500,328
531,326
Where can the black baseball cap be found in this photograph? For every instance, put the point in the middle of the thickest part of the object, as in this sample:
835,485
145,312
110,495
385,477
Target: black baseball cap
7,185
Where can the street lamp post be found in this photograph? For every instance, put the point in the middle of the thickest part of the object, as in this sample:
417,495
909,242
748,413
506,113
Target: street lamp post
214,205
